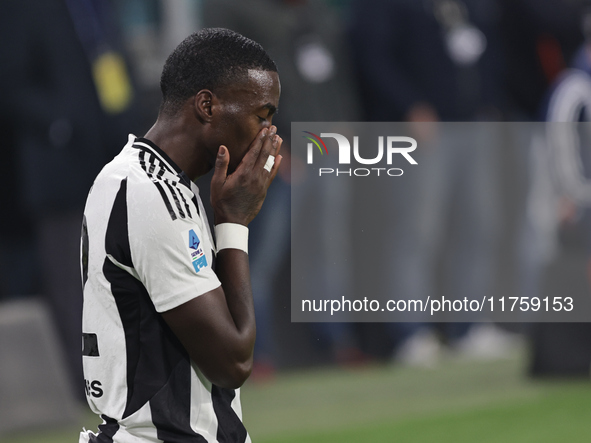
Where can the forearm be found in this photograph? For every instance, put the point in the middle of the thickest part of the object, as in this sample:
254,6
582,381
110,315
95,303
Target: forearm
233,271
218,328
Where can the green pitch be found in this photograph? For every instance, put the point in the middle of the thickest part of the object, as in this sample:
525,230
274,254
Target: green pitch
458,402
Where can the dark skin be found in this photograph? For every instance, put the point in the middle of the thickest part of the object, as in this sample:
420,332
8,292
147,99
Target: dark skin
233,132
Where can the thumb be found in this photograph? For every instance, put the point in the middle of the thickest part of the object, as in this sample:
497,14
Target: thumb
221,165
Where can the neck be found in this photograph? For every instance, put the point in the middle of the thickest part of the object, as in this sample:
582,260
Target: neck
180,141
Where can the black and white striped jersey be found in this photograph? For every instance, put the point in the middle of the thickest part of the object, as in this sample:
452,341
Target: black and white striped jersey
147,248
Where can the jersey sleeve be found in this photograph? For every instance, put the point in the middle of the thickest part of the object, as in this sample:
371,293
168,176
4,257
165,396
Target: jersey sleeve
172,254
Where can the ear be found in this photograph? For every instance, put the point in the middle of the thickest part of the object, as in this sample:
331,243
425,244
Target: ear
203,104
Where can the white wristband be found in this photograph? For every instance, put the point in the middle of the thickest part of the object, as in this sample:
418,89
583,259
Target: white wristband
231,236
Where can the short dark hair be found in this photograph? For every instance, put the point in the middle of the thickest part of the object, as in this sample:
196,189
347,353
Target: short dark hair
209,59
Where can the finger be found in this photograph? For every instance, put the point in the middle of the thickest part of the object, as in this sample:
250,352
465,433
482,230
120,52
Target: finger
278,146
269,163
275,169
277,142
269,152
251,156
221,166
268,148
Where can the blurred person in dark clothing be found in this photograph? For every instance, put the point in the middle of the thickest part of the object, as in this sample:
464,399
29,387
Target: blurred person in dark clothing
18,267
69,94
540,38
556,232
429,61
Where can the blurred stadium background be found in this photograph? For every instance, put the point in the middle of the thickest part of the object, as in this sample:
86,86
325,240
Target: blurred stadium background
78,75
461,401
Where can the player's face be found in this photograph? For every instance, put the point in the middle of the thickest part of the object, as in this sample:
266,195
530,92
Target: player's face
245,109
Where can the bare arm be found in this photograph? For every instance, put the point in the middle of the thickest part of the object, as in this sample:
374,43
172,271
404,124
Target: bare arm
218,328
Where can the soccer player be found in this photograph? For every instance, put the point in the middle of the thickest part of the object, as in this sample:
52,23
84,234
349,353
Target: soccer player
168,323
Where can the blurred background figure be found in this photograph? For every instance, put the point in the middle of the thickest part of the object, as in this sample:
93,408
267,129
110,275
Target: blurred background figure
151,29
306,40
68,97
430,61
540,38
18,267
557,225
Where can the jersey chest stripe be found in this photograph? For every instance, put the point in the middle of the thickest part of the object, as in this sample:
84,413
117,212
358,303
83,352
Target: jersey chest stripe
177,202
176,193
160,173
187,208
166,201
142,158
157,166
182,197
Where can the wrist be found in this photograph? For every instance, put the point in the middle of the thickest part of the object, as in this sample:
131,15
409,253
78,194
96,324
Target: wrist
231,236
220,220
221,217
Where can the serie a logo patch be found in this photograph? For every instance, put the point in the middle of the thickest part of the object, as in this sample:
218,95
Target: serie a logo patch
197,255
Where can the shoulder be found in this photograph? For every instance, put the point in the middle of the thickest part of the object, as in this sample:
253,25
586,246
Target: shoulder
156,184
